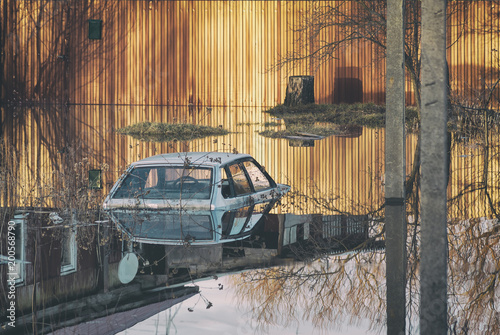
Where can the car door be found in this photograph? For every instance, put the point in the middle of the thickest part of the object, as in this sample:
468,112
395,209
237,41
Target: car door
245,182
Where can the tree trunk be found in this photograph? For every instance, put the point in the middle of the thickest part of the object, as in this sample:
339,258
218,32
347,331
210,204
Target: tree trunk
299,91
434,214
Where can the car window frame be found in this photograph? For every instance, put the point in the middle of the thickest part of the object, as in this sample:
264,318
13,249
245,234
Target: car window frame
240,162
131,169
262,170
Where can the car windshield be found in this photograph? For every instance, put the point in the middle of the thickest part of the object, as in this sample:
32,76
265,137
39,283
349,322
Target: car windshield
166,182
166,226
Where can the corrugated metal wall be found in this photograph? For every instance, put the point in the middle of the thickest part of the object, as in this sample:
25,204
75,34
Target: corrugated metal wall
342,173
474,51
166,61
207,53
346,171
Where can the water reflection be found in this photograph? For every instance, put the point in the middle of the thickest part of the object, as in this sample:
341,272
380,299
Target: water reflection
276,240
324,291
343,165
340,178
330,292
195,227
259,239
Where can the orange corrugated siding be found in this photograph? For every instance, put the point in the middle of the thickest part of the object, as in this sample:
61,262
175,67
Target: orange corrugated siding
204,53
165,61
346,171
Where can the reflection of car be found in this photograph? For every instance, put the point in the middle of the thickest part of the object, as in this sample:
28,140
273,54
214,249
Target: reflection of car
194,227
194,180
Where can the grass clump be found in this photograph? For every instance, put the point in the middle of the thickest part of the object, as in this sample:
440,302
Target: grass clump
300,130
357,114
168,132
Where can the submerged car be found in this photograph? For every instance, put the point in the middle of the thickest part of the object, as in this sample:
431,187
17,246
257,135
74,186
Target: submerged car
194,181
195,227
148,227
197,197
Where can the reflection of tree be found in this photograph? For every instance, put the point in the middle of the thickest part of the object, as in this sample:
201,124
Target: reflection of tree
475,207
474,275
335,291
348,288
474,242
44,45
327,292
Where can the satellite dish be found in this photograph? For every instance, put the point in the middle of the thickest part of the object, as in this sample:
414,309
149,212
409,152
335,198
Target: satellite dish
128,268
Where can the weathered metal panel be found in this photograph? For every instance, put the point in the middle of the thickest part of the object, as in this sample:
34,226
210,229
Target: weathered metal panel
194,54
209,53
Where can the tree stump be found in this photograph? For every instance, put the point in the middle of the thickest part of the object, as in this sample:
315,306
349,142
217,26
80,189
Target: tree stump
299,91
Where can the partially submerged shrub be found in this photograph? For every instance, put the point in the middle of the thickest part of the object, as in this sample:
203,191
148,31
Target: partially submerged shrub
167,132
358,114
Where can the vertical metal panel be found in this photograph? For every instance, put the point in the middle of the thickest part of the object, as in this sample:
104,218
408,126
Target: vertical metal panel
204,53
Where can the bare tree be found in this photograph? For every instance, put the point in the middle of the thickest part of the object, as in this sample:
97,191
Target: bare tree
361,20
43,44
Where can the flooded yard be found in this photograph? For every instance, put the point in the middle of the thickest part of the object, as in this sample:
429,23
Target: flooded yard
187,167
313,263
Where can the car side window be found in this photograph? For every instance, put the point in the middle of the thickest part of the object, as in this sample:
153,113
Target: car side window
225,187
240,181
258,178
152,179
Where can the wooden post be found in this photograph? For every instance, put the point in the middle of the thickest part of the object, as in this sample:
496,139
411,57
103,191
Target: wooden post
299,91
395,171
434,246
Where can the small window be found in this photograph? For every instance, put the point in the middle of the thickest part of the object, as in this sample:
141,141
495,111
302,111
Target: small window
68,248
95,29
234,222
241,184
240,219
258,178
95,180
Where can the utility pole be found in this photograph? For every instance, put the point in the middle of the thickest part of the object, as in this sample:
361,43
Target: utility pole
434,246
395,171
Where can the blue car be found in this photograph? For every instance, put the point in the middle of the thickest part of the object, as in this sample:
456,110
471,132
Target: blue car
198,198
194,181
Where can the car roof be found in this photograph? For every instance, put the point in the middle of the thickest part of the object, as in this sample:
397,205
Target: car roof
194,158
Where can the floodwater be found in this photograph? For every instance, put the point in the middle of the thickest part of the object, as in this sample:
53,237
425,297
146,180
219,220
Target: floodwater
232,314
284,279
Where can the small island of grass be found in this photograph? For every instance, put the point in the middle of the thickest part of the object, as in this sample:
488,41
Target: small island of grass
357,114
326,120
168,132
